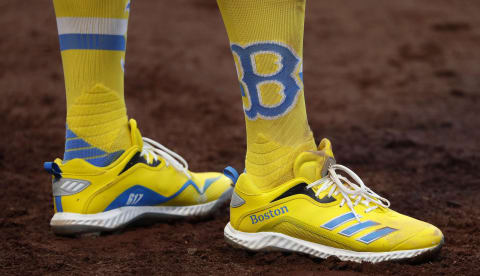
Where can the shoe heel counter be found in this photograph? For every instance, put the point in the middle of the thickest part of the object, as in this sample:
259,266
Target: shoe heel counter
236,202
239,205
65,193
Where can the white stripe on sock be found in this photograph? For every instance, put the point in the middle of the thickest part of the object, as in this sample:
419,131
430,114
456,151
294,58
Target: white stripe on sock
91,25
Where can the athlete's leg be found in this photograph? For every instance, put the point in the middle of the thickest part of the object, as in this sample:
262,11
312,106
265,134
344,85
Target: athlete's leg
110,175
92,35
266,39
293,196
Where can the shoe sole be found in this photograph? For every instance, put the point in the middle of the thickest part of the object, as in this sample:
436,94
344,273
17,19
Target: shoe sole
77,224
271,241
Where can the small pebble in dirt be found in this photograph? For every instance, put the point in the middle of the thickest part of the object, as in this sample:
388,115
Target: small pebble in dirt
192,250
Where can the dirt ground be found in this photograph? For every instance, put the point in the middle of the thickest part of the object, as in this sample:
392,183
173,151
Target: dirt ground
394,84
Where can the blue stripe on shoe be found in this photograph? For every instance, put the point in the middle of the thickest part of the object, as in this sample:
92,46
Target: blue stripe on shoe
92,42
334,223
143,196
75,144
58,203
373,236
208,182
357,228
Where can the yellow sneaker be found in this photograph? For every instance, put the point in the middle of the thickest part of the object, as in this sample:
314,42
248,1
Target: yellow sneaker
147,180
323,213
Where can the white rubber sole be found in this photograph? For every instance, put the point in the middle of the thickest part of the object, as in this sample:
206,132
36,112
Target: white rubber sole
64,223
271,241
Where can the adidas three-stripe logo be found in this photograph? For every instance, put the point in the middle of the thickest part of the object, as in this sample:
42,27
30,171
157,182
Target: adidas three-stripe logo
352,230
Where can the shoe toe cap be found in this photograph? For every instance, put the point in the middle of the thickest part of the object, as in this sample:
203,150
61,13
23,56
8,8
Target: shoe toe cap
429,236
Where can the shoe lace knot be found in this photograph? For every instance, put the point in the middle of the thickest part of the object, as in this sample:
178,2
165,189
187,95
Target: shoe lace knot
152,149
353,193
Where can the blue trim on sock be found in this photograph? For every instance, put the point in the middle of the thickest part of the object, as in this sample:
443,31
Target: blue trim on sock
76,147
70,134
83,153
75,144
105,160
92,42
242,91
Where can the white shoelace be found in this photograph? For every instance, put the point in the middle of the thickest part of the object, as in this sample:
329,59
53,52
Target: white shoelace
357,192
151,150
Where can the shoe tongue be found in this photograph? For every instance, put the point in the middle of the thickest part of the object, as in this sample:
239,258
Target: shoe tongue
135,134
313,165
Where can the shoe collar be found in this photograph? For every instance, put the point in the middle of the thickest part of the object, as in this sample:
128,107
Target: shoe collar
313,165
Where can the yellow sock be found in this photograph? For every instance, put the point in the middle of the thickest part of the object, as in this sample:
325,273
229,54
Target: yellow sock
266,38
92,35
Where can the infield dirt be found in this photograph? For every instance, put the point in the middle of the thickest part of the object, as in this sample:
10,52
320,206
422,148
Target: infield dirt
394,84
